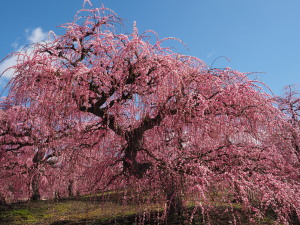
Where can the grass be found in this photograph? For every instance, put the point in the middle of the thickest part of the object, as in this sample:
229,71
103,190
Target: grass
99,209
82,210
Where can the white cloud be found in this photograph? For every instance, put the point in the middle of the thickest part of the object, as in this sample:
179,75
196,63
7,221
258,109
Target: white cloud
5,65
37,35
15,45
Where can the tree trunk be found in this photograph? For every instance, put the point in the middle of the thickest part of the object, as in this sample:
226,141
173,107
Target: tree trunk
37,159
2,200
57,196
70,188
174,204
35,188
134,144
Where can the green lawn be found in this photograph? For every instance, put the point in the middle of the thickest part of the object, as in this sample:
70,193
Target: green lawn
101,209
82,210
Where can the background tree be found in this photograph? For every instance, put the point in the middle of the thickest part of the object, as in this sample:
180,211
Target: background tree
289,104
145,119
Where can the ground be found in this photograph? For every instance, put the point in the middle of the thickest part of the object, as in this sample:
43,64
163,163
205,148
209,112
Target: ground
100,209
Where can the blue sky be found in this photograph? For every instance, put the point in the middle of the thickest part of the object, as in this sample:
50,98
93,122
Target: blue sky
256,35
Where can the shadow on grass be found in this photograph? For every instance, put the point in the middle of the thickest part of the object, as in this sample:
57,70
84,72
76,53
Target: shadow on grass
216,218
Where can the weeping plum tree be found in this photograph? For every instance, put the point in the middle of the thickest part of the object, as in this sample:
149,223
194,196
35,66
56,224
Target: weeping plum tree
130,114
